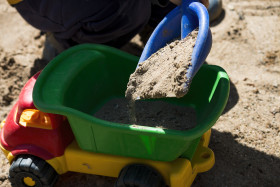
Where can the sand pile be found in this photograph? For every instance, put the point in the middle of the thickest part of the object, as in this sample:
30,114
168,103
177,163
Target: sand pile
149,113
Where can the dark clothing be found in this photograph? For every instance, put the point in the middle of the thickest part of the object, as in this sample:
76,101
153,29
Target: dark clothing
109,22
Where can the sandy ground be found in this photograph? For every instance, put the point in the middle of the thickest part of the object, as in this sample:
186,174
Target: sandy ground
246,138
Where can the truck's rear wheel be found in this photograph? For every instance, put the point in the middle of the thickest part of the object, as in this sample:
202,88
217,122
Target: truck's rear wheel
138,175
29,170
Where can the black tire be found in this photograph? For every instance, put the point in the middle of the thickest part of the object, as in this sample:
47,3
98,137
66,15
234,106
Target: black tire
29,170
138,175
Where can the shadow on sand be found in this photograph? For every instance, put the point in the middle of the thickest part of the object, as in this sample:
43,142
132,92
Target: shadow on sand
219,19
238,165
39,64
232,99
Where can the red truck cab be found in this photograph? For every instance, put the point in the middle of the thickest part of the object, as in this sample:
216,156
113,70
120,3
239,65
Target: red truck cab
27,130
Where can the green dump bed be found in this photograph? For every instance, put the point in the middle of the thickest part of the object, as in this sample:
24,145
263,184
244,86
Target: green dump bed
79,81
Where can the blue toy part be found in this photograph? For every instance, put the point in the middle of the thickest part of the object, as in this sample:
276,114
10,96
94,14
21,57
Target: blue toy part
181,21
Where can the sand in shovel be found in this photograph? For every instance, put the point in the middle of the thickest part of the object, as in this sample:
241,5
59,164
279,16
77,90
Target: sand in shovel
164,73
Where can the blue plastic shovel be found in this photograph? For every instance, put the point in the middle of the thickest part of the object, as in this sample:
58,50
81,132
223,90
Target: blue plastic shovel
181,21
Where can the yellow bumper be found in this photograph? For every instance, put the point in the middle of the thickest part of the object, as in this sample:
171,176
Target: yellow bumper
8,154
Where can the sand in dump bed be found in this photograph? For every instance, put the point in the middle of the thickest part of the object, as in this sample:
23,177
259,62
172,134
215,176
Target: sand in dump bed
149,113
164,73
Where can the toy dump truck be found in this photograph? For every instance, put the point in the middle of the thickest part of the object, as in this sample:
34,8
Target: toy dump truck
52,129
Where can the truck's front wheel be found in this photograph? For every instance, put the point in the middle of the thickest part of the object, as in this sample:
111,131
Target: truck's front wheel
29,170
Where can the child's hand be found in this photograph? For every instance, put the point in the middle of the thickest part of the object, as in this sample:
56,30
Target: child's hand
178,2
